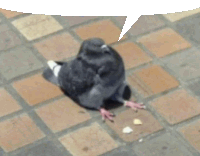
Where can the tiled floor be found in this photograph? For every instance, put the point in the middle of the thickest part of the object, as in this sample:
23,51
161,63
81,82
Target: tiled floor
162,59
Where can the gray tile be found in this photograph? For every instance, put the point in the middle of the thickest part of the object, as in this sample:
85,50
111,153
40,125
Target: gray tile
124,151
165,145
146,23
195,88
45,149
185,64
1,80
2,153
8,38
121,20
3,27
190,28
18,61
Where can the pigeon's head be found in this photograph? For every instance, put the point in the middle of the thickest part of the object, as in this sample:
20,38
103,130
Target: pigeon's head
94,45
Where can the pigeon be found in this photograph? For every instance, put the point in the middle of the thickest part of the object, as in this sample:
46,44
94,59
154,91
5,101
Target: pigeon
95,75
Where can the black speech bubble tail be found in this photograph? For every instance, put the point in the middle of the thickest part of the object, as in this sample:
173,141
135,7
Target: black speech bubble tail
130,20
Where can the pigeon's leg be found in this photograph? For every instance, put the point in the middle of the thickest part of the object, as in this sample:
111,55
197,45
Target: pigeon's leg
134,105
119,97
106,114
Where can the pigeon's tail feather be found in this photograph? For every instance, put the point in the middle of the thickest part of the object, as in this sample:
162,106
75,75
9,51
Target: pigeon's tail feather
54,67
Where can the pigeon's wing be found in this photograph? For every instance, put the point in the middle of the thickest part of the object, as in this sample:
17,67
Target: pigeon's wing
76,78
49,76
111,74
92,99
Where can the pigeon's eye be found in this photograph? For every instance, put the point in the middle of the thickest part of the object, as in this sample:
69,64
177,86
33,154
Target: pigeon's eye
105,49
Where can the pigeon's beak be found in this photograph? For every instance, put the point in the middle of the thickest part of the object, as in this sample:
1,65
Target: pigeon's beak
105,47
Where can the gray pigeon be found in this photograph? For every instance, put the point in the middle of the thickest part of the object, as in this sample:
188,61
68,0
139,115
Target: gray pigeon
95,75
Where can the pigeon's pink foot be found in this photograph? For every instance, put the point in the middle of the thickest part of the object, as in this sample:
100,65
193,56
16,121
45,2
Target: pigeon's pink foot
134,105
106,114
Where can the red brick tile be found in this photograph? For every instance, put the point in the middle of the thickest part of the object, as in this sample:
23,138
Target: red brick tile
62,114
7,103
149,126
152,80
74,20
10,14
103,29
132,55
36,89
58,47
164,42
88,141
177,106
191,133
18,132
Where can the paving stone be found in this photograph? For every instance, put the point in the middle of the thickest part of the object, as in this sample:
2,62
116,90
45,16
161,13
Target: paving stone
74,20
44,149
164,145
18,61
164,42
195,88
62,114
30,20
103,29
8,38
132,55
7,103
191,133
190,28
1,80
145,23
179,15
121,20
124,151
177,106
185,65
36,26
10,14
18,132
124,119
58,47
36,89
88,141
152,80
4,27
2,152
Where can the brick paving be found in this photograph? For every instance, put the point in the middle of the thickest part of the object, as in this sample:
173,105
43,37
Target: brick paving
162,60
